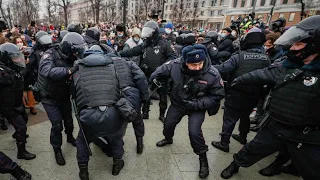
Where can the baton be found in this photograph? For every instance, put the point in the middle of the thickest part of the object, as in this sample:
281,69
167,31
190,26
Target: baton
153,89
75,109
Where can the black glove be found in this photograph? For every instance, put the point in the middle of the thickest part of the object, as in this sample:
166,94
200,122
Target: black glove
191,105
74,69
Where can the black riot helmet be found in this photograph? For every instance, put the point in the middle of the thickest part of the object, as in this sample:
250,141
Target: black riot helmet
306,31
211,36
43,39
74,28
73,46
189,39
93,33
255,37
62,34
150,32
12,57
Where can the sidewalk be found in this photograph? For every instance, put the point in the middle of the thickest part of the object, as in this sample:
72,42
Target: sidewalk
174,162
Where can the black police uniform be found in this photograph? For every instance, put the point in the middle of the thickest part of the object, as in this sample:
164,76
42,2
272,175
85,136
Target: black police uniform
185,88
240,101
211,42
294,122
92,37
112,74
152,57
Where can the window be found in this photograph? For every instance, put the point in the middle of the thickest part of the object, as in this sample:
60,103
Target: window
221,2
203,2
219,12
202,12
263,2
281,15
232,18
285,2
252,3
166,7
218,26
131,11
235,2
212,13
243,2
213,3
170,7
297,1
291,17
272,2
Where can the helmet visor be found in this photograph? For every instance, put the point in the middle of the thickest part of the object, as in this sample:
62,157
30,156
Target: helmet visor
291,36
18,59
147,32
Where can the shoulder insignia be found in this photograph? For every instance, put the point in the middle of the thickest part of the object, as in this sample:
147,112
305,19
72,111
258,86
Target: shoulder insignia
45,56
212,71
255,56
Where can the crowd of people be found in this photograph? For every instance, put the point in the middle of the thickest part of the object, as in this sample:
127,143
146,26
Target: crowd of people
108,74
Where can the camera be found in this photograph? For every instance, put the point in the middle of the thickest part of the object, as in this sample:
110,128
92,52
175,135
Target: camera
278,25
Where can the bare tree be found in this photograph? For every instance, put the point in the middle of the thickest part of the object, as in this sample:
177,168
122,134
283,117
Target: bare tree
65,5
195,12
146,6
179,12
97,6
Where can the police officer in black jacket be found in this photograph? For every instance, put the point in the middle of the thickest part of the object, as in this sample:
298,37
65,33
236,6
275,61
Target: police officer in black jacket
55,70
92,37
154,51
43,43
211,42
114,75
294,120
11,91
241,100
196,88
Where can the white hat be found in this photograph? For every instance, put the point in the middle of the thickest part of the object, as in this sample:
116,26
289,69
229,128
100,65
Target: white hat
136,31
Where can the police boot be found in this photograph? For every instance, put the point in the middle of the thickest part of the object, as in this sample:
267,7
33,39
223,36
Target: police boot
223,145
241,138
59,157
24,154
290,169
273,169
20,174
71,140
83,174
118,164
3,125
204,167
145,115
164,142
139,145
232,169
162,114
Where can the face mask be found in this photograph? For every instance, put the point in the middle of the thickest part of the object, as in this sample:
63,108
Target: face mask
223,35
234,34
20,45
269,51
120,35
296,56
168,31
136,39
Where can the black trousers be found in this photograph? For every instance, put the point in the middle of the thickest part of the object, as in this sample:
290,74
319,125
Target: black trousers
58,114
231,117
306,157
196,118
6,164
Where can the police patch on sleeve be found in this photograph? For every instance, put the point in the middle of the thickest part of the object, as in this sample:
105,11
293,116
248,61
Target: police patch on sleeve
45,56
221,83
172,47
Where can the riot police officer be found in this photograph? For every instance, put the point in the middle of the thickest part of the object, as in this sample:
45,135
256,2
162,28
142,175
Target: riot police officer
61,34
92,37
9,166
74,28
55,70
294,107
3,124
196,88
11,92
43,43
210,42
101,103
241,100
155,51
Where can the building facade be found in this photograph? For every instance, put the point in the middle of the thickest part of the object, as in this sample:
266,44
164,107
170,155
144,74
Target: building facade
288,9
197,13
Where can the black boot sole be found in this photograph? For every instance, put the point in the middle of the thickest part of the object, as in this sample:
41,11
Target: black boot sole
220,147
118,172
